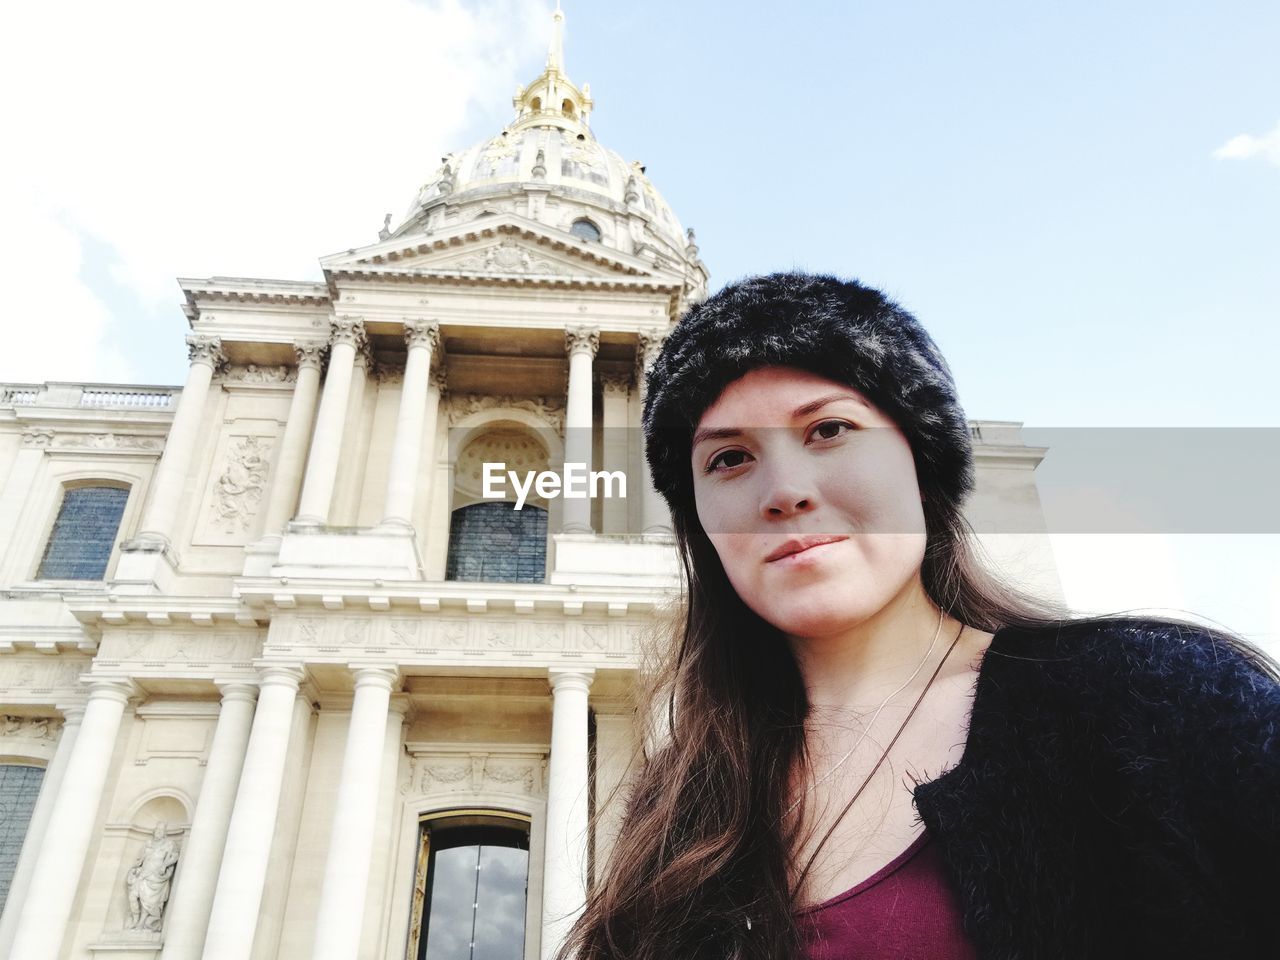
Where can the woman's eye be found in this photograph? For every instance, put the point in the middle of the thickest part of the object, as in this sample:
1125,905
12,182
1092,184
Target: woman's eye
830,429
728,460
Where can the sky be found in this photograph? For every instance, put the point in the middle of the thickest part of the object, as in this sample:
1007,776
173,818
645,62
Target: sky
1081,202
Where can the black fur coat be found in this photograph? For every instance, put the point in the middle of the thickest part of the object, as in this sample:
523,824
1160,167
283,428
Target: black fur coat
1119,796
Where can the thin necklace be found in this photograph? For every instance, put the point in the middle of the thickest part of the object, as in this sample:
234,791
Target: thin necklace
870,723
852,800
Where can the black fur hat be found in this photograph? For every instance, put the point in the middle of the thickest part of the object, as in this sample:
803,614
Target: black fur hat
835,328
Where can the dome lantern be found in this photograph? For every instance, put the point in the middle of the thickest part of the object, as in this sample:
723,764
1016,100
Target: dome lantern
552,100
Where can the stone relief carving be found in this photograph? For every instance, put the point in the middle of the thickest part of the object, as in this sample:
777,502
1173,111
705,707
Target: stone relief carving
238,491
30,728
253,373
548,409
108,441
185,648
148,880
480,772
404,633
30,676
37,437
508,257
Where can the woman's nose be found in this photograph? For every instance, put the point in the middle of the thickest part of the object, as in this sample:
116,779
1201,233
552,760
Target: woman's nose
786,493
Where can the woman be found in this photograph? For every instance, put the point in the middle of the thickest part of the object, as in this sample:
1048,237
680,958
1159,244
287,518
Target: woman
876,749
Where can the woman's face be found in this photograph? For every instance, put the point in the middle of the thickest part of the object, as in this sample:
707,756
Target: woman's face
808,493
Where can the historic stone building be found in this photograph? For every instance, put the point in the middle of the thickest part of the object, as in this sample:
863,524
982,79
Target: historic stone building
277,679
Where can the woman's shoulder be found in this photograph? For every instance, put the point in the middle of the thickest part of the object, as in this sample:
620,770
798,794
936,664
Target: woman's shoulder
1167,665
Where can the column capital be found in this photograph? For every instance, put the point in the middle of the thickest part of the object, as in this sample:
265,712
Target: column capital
280,675
582,339
615,383
400,706
383,675
422,333
438,380
570,679
310,354
348,330
206,350
118,689
650,345
72,713
242,691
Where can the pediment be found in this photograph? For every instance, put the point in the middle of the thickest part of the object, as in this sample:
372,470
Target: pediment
495,246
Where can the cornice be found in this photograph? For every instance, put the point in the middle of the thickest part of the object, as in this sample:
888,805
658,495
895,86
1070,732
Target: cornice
266,595
392,251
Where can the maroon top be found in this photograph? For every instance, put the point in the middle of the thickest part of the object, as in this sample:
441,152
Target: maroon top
907,909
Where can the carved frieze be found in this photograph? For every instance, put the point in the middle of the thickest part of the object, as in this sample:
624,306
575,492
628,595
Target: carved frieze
475,773
22,676
548,409
178,649
118,442
481,636
30,728
255,373
37,437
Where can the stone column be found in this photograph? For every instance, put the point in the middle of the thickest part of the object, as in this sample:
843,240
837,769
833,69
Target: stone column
169,481
435,393
50,786
406,449
564,877
56,875
233,918
346,875
187,917
581,344
613,510
655,517
326,442
293,445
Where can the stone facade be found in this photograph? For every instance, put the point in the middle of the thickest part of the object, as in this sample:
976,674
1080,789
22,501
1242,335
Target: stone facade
227,743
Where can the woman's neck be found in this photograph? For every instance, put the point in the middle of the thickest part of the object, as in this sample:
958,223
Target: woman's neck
858,668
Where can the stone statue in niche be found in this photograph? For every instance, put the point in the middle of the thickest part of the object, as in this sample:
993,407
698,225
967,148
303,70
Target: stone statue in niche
148,880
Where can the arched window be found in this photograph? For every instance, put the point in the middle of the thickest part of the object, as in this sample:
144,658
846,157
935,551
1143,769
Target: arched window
471,888
19,788
585,229
497,543
84,533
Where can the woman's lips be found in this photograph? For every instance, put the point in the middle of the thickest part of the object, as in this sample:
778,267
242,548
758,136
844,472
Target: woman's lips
793,551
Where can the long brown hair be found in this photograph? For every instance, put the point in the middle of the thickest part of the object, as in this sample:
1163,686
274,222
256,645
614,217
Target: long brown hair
700,866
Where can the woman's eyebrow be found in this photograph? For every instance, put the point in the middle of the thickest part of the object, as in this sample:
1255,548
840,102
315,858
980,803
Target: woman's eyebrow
725,433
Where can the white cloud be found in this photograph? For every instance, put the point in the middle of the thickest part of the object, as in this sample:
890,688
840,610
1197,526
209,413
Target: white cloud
1246,147
242,137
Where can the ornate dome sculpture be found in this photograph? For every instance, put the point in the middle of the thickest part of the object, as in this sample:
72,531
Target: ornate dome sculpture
547,166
